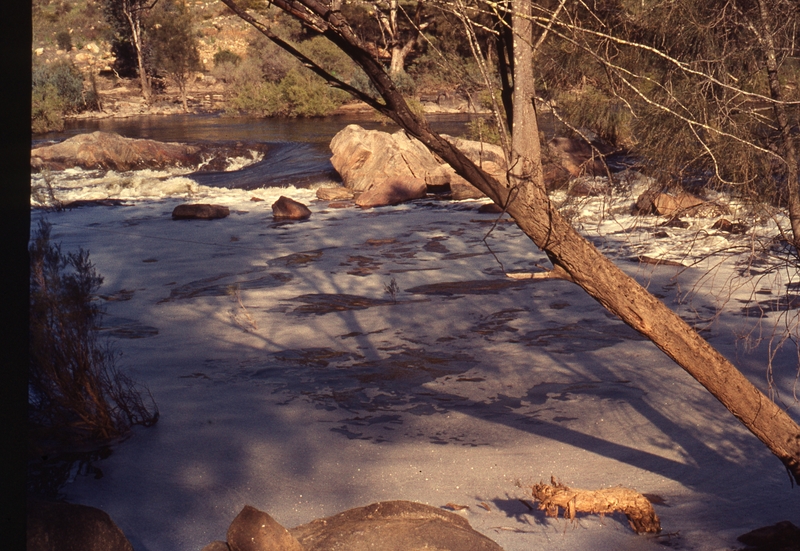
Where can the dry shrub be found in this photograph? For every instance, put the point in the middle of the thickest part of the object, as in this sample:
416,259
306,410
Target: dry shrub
78,399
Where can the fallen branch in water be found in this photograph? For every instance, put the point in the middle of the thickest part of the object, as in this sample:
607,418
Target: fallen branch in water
635,506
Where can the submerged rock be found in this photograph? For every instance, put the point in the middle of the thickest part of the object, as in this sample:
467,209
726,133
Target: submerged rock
199,211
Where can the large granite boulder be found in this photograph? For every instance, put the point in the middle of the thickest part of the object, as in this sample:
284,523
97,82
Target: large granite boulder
369,158
365,158
58,526
388,526
106,150
392,526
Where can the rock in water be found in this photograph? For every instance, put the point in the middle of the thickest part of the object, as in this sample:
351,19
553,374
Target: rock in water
199,211
254,530
111,151
365,158
334,193
392,526
289,209
392,192
57,526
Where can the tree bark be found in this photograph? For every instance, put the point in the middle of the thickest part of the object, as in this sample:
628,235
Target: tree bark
135,21
788,150
572,255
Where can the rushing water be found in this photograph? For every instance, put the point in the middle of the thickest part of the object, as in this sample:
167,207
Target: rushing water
298,149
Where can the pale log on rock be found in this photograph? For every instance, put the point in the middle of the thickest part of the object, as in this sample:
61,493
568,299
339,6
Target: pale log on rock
641,515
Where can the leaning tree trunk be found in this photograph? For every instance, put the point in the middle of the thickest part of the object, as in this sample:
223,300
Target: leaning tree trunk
573,257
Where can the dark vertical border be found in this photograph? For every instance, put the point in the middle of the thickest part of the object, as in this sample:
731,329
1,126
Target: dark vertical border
15,143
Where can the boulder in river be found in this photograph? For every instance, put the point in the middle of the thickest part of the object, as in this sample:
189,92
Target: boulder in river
199,211
106,150
286,208
366,158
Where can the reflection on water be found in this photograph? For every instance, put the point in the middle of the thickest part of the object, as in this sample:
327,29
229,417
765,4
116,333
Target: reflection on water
219,128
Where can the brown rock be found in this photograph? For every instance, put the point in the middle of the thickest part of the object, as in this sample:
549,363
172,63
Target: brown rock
289,209
367,158
463,191
490,208
576,156
672,205
726,225
56,526
105,150
254,530
589,187
393,526
334,193
393,192
783,536
216,546
199,211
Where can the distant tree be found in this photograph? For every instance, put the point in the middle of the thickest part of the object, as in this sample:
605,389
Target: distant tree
173,44
127,17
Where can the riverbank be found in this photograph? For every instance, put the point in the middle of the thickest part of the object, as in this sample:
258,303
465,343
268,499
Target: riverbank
122,98
305,368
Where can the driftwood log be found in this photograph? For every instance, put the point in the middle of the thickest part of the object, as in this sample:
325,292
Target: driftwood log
635,506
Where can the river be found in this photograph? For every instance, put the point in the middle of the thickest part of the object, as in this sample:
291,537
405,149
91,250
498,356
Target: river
298,149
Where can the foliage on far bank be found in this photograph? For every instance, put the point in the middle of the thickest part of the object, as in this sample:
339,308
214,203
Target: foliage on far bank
269,82
57,89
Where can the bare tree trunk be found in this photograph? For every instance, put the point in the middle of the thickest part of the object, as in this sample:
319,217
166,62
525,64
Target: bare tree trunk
573,257
398,48
133,15
789,152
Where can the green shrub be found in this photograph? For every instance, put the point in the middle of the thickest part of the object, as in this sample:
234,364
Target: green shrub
480,129
328,56
47,109
64,40
591,108
299,94
226,56
57,89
